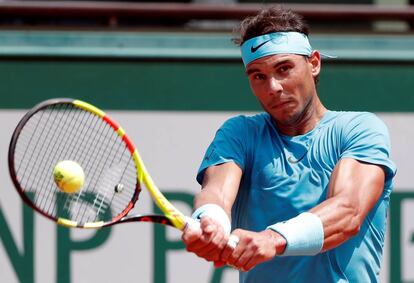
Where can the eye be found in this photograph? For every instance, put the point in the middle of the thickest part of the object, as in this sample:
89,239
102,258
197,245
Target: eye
258,76
284,69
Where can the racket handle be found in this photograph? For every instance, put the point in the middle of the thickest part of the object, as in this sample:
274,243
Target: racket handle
191,224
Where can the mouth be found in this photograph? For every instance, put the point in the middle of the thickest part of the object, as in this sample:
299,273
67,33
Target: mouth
281,104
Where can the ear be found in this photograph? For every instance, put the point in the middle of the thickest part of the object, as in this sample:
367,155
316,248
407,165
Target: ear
315,62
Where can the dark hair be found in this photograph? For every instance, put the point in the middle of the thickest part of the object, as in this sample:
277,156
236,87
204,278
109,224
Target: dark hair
273,19
269,20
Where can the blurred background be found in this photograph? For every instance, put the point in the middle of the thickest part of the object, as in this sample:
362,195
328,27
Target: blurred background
170,74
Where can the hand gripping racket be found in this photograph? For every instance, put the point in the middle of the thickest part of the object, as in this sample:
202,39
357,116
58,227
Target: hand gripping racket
67,129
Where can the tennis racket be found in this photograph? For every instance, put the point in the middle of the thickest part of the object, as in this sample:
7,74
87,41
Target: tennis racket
68,129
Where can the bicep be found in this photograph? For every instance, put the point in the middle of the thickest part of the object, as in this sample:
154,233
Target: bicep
360,183
220,185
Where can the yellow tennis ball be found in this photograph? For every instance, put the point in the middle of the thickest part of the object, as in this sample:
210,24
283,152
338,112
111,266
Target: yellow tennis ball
68,176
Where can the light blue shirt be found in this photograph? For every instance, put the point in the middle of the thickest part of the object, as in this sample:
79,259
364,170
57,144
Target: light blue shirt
286,175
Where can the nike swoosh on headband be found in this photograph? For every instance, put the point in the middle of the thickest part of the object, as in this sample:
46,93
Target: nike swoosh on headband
253,49
276,43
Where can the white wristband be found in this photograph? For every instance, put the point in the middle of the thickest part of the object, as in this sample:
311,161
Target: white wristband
215,212
304,234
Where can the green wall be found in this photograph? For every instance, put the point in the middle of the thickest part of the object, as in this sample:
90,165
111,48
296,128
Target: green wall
184,71
157,85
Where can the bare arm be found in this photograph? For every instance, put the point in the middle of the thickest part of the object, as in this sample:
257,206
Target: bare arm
354,189
220,186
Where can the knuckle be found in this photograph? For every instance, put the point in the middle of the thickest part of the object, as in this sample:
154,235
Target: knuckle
216,242
212,258
224,256
230,261
189,248
254,242
237,231
205,240
261,254
254,249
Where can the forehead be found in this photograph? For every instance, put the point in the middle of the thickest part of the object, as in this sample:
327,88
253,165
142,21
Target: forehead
272,60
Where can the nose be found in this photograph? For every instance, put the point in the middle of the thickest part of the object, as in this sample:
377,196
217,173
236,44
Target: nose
275,86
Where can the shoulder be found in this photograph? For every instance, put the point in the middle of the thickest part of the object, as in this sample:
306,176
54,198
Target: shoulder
248,122
361,121
348,116
365,137
350,121
361,129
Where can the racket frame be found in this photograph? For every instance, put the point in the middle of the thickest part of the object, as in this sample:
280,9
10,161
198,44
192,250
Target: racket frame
172,216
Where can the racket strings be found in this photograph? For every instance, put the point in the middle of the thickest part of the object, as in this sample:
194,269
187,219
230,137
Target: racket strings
124,173
106,194
99,164
94,206
116,179
56,152
31,147
37,146
47,151
91,143
25,140
76,150
66,132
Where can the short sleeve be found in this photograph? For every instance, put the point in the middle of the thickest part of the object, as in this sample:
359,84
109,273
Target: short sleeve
366,138
228,145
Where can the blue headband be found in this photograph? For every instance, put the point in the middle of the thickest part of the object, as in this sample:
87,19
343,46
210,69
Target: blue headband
275,43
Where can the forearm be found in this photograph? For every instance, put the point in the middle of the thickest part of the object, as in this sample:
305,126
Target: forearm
211,197
341,221
354,190
213,207
220,186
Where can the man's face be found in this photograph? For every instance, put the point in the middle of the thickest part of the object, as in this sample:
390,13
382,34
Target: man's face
284,85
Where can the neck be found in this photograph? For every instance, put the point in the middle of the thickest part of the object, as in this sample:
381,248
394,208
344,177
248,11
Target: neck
306,122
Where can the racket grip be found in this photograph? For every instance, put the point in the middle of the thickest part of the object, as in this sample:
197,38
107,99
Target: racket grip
191,224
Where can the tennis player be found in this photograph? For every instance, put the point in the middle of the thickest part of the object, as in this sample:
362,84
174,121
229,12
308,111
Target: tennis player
303,190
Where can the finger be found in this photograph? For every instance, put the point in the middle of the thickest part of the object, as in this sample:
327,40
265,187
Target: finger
233,258
210,255
191,235
218,264
231,245
208,225
191,224
252,262
237,250
246,257
213,249
233,241
212,252
210,231
200,244
196,240
210,243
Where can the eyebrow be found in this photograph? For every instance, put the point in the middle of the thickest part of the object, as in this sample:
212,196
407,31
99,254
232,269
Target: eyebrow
277,64
251,71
